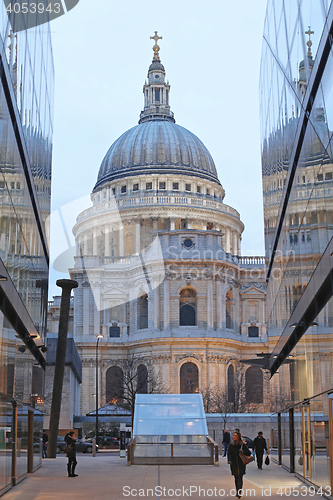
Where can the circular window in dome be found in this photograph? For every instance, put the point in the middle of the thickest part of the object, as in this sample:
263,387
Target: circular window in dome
188,243
157,76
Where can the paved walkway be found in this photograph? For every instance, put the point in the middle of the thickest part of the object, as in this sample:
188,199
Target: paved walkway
108,477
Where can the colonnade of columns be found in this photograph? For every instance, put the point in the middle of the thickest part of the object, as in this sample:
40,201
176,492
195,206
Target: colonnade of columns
97,241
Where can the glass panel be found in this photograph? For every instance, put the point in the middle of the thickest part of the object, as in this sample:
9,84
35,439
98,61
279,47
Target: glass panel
163,414
5,442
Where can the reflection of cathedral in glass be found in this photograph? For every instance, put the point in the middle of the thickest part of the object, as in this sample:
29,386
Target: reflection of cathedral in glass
159,265
26,108
297,169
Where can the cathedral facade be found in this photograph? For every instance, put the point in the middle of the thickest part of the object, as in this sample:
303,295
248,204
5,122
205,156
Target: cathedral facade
160,272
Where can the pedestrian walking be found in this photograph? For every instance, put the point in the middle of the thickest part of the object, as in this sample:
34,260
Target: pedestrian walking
259,447
226,442
238,469
45,441
71,454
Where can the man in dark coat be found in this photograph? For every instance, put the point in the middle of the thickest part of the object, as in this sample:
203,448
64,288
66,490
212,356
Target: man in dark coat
226,442
71,454
45,441
259,447
238,469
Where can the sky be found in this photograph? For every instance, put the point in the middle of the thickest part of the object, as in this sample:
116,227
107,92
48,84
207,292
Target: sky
211,51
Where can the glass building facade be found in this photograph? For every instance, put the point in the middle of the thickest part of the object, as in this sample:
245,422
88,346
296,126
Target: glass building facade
26,117
297,171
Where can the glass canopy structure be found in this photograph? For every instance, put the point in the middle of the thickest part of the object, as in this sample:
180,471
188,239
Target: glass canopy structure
170,429
171,414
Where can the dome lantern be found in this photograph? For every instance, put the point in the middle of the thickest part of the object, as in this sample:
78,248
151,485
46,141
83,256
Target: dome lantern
156,90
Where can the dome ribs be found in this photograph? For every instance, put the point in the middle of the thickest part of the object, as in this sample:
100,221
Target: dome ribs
156,143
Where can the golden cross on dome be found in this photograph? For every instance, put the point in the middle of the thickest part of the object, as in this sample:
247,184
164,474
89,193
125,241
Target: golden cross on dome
156,47
309,43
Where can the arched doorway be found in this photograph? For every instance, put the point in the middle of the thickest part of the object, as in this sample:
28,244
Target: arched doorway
187,307
189,378
114,384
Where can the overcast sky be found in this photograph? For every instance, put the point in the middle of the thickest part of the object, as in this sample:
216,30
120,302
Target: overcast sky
211,51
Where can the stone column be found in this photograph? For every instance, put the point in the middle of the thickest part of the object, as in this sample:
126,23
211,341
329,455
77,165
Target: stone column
166,305
223,311
94,235
172,224
107,242
85,244
155,224
227,240
236,318
156,308
97,321
137,236
218,304
86,290
210,323
121,241
235,249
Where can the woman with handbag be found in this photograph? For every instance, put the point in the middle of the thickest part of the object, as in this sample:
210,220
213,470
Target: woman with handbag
236,450
71,454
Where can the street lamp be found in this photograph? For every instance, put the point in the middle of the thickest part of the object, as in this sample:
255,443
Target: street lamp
100,336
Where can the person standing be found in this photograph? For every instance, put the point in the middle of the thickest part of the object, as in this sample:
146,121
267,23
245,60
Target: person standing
259,447
71,454
238,469
45,441
226,442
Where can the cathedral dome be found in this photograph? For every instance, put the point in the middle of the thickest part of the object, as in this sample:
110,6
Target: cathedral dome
159,146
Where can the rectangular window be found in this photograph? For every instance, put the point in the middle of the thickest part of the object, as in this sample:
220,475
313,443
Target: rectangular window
2,184
114,331
208,192
149,186
320,177
328,176
161,185
157,95
123,189
113,190
303,179
198,189
175,186
187,187
18,185
12,185
135,187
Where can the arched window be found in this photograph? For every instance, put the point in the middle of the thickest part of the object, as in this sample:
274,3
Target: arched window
254,385
143,312
114,384
231,384
187,307
142,380
189,379
253,331
228,309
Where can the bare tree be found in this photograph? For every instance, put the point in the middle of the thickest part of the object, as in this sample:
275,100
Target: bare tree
238,396
137,376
